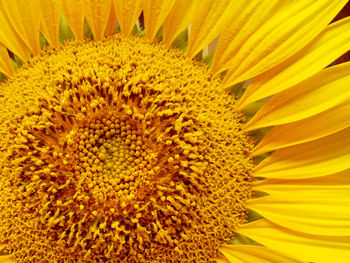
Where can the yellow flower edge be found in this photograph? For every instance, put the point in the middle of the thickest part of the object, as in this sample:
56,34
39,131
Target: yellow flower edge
78,117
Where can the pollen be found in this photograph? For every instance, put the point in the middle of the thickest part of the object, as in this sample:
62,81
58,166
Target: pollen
119,150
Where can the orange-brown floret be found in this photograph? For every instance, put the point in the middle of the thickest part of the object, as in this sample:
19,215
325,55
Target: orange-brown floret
119,151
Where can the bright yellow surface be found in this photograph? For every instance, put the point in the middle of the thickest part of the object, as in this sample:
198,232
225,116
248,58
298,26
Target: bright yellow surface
318,54
314,248
318,158
118,149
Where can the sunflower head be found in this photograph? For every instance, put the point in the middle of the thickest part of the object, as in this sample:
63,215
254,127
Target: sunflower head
124,134
126,150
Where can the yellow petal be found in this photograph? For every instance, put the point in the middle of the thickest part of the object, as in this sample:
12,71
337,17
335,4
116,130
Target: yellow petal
338,181
112,22
306,247
179,17
322,157
227,258
72,11
155,12
127,13
97,14
291,28
254,254
220,260
223,259
50,20
10,39
24,18
5,63
309,211
313,128
325,90
248,17
209,21
319,53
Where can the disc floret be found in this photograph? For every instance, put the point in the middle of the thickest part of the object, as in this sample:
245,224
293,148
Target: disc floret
120,150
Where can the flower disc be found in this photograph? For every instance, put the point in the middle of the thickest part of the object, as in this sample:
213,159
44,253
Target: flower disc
119,151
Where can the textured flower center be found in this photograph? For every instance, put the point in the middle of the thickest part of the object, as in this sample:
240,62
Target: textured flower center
119,151
112,157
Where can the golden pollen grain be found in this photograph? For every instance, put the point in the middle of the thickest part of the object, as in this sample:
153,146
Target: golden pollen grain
119,151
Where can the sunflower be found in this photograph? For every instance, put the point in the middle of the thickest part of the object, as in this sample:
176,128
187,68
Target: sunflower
174,131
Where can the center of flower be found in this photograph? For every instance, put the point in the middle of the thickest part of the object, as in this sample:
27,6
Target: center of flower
120,151
112,157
